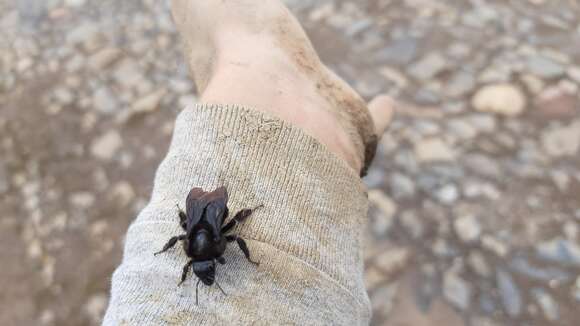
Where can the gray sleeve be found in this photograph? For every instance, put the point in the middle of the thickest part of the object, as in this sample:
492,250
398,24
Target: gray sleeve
307,238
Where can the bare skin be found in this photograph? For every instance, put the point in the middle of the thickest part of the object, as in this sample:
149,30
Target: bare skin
255,53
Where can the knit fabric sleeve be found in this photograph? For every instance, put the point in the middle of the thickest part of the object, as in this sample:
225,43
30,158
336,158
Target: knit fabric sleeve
307,237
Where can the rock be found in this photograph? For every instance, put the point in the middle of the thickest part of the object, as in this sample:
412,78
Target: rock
476,188
494,245
533,83
482,122
478,264
457,291
547,303
434,150
105,58
561,179
482,165
105,147
560,251
82,200
544,274
88,35
544,67
562,141
428,67
144,105
186,101
557,103
447,194
461,84
75,3
105,101
461,129
393,261
502,99
95,307
467,228
63,96
123,193
399,52
385,204
401,186
412,224
128,74
393,75
509,293
574,74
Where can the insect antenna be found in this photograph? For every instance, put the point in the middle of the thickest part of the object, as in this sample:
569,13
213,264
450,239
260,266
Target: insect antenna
218,285
196,294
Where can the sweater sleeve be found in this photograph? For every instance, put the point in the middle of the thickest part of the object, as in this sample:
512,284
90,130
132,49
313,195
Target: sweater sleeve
307,238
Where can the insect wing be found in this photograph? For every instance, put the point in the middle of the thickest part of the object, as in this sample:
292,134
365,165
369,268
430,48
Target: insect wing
195,204
198,200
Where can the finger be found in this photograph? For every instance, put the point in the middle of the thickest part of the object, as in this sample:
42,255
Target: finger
382,109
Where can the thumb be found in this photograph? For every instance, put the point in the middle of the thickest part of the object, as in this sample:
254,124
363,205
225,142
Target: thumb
382,108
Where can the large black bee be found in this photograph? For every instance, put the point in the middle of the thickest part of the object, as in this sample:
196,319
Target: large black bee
206,237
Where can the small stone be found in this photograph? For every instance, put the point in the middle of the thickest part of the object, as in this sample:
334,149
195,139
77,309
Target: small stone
82,199
412,224
95,307
105,101
557,103
428,67
494,245
482,165
457,291
477,262
123,193
385,204
461,84
144,105
544,67
574,74
401,186
105,58
128,74
4,181
509,293
560,251
75,3
434,150
105,147
400,51
63,96
547,303
562,141
544,274
461,129
561,179
533,83
88,35
501,99
482,122
467,228
393,261
447,194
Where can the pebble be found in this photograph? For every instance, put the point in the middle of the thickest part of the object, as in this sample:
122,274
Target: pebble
393,261
461,84
399,52
561,141
477,262
533,84
547,303
434,150
82,199
559,251
574,74
502,99
447,194
107,145
412,224
4,181
384,204
557,103
144,105
467,228
123,193
545,274
105,58
483,123
401,186
105,101
186,101
461,129
428,67
494,245
457,291
544,67
483,165
509,293
95,307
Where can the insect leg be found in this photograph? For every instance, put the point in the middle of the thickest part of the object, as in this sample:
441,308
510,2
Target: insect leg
218,285
184,273
182,217
170,244
196,292
239,218
243,246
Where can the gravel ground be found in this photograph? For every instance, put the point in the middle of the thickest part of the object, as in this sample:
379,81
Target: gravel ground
475,193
